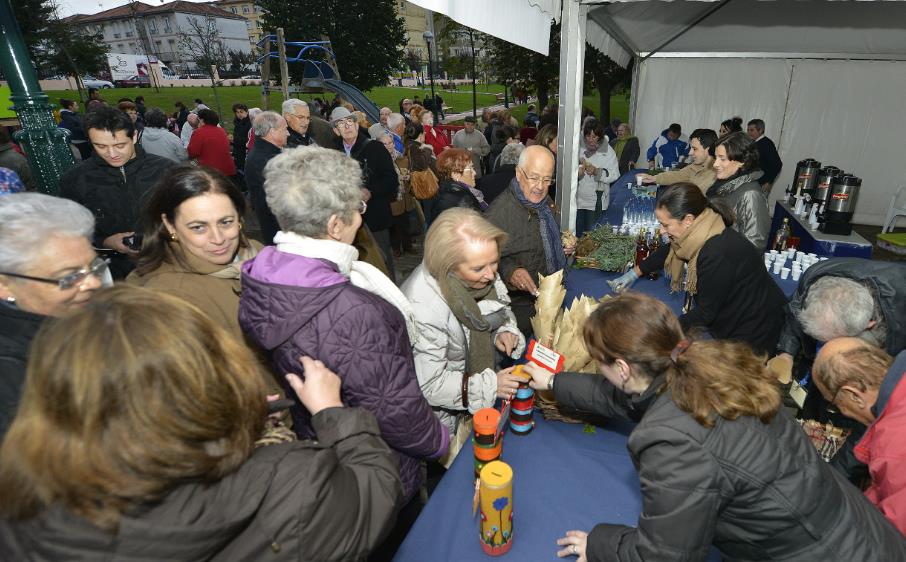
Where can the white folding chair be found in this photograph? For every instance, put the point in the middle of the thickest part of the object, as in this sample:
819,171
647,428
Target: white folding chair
894,211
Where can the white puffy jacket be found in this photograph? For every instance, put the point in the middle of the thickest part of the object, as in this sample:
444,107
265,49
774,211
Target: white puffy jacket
605,160
440,354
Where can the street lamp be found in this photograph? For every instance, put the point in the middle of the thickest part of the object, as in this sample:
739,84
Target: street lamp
428,38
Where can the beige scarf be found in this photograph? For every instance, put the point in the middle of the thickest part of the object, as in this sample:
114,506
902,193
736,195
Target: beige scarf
685,250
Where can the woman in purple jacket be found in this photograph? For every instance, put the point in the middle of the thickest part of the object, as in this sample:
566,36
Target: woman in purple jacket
310,296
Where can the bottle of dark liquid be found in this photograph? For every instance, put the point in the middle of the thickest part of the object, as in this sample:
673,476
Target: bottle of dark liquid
653,246
782,236
641,247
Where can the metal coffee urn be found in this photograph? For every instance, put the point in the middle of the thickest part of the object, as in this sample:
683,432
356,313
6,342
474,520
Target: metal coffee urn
806,179
840,205
826,177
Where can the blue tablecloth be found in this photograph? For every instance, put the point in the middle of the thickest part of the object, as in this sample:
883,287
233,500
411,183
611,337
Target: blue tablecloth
619,195
563,479
814,241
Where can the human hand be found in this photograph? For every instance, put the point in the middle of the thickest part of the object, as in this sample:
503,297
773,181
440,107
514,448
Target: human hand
115,242
541,378
506,342
569,248
366,195
507,383
624,281
522,280
590,170
782,367
320,389
574,544
647,178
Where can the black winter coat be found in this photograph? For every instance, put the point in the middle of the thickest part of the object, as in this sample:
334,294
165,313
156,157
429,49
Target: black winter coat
72,121
452,194
494,184
379,176
885,280
241,128
330,499
116,196
755,491
737,299
17,330
768,160
258,157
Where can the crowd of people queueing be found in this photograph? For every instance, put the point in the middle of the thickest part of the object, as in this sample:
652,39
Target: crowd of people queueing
143,420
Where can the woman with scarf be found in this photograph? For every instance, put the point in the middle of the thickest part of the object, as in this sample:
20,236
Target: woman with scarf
456,187
598,167
462,314
525,212
193,244
720,463
729,292
309,295
738,187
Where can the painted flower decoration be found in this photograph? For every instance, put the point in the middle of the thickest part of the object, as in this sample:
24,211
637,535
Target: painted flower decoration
501,503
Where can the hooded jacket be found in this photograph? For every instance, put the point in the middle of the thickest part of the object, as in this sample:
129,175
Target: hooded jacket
293,305
331,499
755,491
744,196
885,280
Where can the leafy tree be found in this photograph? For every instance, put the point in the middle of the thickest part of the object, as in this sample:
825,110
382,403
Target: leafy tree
239,60
367,36
606,76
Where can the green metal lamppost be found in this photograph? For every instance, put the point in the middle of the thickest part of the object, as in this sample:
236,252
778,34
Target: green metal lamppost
46,145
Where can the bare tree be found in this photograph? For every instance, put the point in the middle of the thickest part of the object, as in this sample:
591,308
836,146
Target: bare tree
201,43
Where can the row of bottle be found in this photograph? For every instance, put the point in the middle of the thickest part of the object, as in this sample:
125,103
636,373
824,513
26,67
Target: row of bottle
639,212
647,243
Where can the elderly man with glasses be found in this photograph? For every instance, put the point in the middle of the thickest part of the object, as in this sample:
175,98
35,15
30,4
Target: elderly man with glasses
525,212
381,184
298,118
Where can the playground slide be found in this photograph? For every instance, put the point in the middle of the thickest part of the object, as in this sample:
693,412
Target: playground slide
354,96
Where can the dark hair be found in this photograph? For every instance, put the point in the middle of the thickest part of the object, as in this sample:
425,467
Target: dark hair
675,128
178,185
593,126
707,138
740,148
238,106
758,124
412,131
531,107
92,91
65,103
733,124
155,117
106,118
139,99
198,100
502,134
209,117
684,198
126,106
179,104
709,379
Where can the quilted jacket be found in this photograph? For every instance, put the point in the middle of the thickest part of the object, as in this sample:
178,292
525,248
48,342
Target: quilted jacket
293,305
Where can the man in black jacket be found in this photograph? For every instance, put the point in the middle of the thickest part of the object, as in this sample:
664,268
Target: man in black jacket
381,181
241,127
298,118
271,134
114,184
768,158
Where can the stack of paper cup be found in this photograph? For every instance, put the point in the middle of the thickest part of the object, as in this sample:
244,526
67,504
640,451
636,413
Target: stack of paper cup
778,265
784,272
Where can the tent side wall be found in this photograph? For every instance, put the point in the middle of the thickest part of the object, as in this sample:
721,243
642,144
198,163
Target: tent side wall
849,113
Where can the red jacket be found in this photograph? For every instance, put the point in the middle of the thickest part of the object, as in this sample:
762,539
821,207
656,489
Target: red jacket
211,147
883,448
436,138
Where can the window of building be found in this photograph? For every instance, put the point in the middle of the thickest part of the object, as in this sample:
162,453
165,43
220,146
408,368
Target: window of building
257,9
152,25
129,34
119,46
233,9
246,10
248,25
117,35
167,25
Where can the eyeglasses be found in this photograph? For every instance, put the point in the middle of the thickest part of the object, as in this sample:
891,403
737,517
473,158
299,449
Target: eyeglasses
363,206
345,122
98,267
536,180
831,407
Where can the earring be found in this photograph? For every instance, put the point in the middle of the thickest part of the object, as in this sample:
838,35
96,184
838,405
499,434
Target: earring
173,236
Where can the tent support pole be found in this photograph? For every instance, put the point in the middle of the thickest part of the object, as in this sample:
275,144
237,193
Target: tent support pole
633,92
572,71
683,31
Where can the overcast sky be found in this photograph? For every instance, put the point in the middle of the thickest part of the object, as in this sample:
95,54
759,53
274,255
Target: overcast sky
69,7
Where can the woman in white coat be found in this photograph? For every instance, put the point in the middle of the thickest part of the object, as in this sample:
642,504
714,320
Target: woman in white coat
598,168
463,317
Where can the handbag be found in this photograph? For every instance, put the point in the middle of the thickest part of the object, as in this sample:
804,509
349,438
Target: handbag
423,183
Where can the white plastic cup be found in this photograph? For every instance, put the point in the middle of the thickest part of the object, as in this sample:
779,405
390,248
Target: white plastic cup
767,265
769,257
784,273
796,275
813,255
777,266
639,179
793,253
774,253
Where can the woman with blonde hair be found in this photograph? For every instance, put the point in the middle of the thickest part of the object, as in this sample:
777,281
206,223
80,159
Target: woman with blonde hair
136,440
462,313
720,463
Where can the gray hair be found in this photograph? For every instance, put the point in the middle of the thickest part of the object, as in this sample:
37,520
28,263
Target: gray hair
307,185
511,153
395,120
290,105
836,307
28,220
265,122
